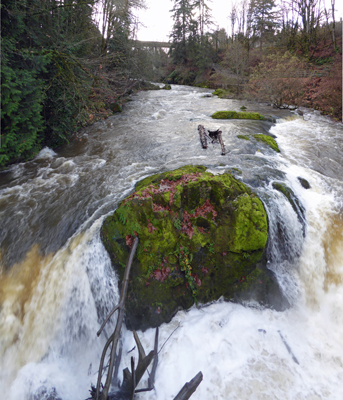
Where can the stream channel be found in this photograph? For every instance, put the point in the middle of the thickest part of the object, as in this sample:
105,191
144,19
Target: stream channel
57,284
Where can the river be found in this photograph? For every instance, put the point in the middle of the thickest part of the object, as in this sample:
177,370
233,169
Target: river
57,284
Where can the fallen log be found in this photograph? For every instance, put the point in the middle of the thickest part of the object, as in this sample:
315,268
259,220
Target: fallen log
202,134
288,349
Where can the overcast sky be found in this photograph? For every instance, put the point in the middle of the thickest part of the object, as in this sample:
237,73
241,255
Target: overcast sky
158,21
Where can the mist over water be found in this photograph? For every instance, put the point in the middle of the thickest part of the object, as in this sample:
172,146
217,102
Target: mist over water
57,284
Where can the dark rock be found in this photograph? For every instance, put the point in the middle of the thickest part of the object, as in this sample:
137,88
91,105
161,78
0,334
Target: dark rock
304,183
294,201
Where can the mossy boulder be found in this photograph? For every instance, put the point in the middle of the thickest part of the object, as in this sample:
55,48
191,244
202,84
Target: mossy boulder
222,93
237,115
201,236
268,140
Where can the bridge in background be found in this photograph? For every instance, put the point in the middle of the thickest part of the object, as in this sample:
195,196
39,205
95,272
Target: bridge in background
153,45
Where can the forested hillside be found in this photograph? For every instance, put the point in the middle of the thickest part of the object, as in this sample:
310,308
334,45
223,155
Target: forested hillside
285,53
67,63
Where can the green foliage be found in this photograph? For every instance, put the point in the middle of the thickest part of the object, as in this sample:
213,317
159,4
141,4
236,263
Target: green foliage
263,19
177,224
278,79
211,247
44,88
22,97
191,45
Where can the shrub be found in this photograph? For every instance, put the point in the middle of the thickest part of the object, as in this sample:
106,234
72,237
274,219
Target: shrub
278,80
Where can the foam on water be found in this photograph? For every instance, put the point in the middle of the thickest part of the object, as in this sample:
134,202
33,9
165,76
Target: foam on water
46,152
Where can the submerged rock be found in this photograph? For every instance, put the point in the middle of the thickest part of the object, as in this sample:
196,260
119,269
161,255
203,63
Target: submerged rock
202,236
304,183
268,140
293,200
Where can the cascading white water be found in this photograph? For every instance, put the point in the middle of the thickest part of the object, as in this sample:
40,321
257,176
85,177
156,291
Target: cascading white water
61,285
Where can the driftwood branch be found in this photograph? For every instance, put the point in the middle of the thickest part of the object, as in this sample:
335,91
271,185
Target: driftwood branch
131,379
107,318
116,334
221,143
288,348
216,136
141,352
189,388
133,374
115,380
151,380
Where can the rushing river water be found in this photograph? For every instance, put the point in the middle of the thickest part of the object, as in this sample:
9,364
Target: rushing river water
57,285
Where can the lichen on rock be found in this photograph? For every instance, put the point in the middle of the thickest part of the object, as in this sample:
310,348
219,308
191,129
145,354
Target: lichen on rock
201,236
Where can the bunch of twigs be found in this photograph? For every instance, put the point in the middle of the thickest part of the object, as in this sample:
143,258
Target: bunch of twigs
131,379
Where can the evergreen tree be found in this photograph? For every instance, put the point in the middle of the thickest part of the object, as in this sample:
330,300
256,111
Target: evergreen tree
43,85
204,16
262,18
184,30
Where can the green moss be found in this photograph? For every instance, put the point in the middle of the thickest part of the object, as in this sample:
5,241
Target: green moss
166,87
197,239
250,225
237,115
268,140
244,137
